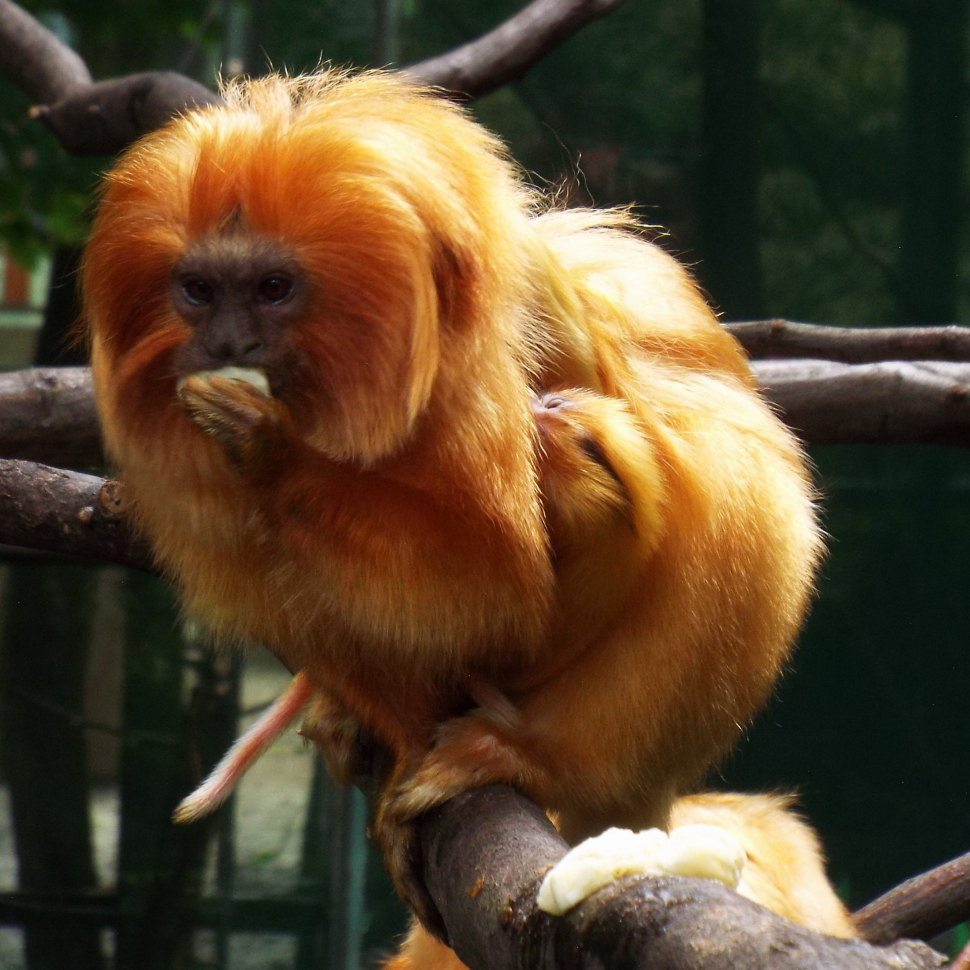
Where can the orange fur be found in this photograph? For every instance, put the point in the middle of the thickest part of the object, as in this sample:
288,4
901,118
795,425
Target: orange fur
389,536
784,870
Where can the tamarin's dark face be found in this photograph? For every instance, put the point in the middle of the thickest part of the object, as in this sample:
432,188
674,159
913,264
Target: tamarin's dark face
241,298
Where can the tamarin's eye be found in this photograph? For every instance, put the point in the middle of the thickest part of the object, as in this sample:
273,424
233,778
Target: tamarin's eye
275,288
197,291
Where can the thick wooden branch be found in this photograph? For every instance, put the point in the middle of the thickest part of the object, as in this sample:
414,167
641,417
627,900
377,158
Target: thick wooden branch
851,345
104,118
47,415
921,907
893,402
67,513
88,118
41,65
508,52
485,854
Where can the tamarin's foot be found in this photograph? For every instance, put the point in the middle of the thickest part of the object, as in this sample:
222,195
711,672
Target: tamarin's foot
691,850
234,406
352,754
470,752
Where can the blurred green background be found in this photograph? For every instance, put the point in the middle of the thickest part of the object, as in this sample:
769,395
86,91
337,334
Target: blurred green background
808,158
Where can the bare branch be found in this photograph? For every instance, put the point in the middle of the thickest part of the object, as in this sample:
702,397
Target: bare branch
486,851
893,402
47,415
67,513
41,65
508,52
105,117
88,118
921,907
851,345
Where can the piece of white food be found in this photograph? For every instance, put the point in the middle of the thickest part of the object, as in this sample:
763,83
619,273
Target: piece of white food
691,850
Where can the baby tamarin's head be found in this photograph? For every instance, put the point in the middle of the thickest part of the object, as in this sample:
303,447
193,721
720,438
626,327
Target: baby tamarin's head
333,233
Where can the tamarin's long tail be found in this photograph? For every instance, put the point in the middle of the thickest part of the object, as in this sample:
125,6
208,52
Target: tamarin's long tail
246,749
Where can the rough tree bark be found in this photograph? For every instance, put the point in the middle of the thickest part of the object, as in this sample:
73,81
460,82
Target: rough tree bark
923,395
851,345
484,855
506,53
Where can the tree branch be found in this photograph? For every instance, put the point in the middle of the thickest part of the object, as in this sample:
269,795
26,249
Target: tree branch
40,64
893,402
486,851
88,118
508,52
47,414
921,907
67,513
104,118
851,345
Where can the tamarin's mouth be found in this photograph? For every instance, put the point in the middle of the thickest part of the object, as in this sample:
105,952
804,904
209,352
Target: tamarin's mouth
248,375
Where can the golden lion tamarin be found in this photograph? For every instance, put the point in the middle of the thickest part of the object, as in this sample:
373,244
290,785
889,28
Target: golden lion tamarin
324,322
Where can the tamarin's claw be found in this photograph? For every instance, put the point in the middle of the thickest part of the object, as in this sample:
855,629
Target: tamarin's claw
691,850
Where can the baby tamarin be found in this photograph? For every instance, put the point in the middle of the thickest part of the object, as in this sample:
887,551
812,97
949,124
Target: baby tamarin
376,518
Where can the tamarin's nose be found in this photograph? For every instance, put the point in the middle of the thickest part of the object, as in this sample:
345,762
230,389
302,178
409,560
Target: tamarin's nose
229,340
235,351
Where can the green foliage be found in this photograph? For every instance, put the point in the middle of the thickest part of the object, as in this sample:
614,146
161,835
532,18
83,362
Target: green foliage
122,36
44,193
833,78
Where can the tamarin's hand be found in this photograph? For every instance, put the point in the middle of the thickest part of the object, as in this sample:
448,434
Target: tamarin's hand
234,407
